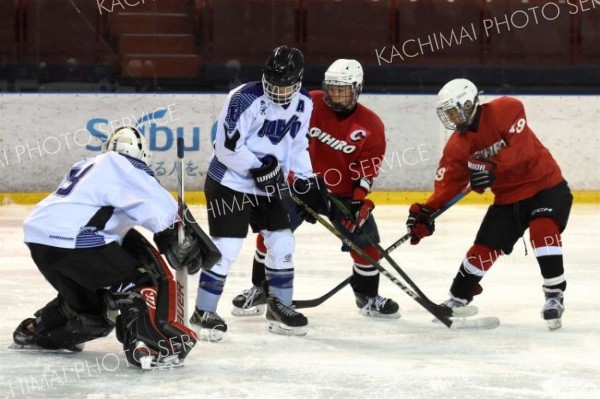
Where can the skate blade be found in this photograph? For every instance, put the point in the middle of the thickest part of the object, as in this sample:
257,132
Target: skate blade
257,310
378,315
36,348
209,334
554,324
148,363
276,327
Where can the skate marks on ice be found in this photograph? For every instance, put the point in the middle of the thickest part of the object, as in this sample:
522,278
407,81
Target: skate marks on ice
344,355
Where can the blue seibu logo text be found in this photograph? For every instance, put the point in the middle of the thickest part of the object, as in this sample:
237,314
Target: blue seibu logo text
153,125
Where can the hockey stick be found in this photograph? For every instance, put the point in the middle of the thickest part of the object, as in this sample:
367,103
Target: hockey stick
341,206
182,273
438,311
441,313
311,303
434,215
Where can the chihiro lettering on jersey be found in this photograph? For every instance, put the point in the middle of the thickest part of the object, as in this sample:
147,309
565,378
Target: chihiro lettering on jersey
492,150
336,144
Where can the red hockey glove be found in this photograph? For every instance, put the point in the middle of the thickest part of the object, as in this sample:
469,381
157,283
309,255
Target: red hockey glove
361,210
482,173
419,222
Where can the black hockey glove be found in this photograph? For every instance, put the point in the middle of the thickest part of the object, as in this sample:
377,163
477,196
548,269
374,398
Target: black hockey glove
313,193
419,222
482,173
269,176
188,254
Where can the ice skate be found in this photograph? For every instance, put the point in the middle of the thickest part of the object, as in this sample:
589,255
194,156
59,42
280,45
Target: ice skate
553,310
377,306
284,319
209,325
25,338
459,307
251,302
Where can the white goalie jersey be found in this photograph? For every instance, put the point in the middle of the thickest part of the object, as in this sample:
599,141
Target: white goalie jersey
250,127
98,202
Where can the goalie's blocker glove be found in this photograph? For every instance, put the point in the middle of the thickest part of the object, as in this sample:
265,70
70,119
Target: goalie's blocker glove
420,224
188,254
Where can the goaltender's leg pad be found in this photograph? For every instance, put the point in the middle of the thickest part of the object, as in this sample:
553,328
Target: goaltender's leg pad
137,324
153,314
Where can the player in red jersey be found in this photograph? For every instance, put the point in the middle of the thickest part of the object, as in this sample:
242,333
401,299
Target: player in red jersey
493,146
347,144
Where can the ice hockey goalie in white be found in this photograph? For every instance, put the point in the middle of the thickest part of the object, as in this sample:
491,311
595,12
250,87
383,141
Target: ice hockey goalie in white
82,240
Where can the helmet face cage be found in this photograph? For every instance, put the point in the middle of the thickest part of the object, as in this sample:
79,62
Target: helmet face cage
280,94
282,75
348,98
129,141
342,85
457,102
457,111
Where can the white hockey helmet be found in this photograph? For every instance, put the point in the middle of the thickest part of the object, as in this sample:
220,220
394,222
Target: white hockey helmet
129,141
456,104
343,73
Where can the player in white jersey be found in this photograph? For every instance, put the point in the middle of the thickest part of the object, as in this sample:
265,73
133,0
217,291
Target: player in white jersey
261,136
82,240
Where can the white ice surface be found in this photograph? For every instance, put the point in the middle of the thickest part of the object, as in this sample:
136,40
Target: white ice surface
344,354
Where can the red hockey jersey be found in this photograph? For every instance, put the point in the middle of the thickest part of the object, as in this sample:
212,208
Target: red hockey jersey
524,165
343,150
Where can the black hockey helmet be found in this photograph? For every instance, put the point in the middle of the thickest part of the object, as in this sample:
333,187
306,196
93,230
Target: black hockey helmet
282,74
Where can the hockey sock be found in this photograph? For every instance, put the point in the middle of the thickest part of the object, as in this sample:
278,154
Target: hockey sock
258,265
279,264
212,281
478,261
210,290
547,246
365,277
281,284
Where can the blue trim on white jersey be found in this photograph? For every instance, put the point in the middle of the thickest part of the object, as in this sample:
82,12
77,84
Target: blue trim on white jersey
305,92
240,101
253,88
216,169
89,238
139,164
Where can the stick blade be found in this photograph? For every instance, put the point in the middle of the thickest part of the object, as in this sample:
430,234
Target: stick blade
482,323
465,311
